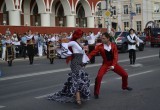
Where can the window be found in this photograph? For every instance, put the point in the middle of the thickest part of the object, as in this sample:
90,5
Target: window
126,26
156,7
113,11
125,9
139,26
138,8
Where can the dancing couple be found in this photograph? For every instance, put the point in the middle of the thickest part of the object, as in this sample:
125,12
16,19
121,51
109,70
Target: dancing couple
76,89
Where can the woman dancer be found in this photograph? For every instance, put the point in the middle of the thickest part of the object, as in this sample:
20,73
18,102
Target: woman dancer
77,86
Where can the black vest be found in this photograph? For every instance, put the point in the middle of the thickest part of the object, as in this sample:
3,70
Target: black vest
109,55
132,39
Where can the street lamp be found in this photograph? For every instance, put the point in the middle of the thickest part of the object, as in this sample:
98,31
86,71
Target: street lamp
61,23
4,22
36,23
84,25
26,24
108,18
99,14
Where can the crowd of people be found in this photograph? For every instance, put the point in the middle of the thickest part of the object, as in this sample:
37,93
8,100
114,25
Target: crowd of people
19,42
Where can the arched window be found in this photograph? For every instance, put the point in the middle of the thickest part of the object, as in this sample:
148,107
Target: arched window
81,20
30,13
36,20
60,17
5,15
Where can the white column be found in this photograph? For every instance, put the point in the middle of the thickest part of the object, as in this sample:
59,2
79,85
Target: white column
90,22
71,21
14,18
45,19
53,18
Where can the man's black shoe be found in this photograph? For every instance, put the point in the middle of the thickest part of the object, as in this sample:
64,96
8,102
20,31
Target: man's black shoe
96,96
128,88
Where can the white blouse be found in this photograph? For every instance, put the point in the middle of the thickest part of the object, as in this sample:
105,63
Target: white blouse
64,51
75,47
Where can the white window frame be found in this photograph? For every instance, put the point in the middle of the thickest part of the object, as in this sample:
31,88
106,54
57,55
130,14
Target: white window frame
125,9
126,25
139,26
157,7
138,8
114,12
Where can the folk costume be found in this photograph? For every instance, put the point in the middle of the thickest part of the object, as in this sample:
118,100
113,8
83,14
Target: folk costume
9,52
78,79
133,41
30,48
110,59
51,49
40,42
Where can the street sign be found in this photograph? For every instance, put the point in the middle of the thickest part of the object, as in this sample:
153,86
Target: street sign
107,13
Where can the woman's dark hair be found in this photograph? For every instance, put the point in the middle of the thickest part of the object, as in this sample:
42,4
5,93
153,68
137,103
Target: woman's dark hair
131,30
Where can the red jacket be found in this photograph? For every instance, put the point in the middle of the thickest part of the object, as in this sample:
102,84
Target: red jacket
100,49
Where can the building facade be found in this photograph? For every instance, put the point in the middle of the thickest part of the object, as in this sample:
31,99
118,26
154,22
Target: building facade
125,14
137,14
69,13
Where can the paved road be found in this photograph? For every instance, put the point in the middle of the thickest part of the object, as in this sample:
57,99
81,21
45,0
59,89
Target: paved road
25,87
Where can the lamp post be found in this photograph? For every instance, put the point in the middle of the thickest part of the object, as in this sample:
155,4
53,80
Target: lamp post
4,22
131,14
36,23
108,18
99,15
61,23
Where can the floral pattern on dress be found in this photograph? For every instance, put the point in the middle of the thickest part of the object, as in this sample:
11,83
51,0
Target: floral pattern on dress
77,81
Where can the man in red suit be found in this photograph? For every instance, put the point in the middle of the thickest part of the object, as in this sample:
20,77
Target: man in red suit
109,53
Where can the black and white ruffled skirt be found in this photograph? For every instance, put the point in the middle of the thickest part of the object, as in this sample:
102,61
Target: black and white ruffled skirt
77,81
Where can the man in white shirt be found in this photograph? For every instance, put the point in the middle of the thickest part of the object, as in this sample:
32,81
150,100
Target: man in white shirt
91,43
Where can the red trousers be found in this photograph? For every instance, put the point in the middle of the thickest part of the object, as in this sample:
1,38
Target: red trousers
117,69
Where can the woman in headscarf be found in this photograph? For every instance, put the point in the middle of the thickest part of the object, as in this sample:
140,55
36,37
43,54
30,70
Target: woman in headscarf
76,88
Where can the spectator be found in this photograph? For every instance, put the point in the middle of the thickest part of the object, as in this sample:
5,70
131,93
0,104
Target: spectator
8,32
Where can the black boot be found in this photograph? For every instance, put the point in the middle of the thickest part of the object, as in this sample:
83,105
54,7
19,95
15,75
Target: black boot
128,89
131,62
30,61
96,96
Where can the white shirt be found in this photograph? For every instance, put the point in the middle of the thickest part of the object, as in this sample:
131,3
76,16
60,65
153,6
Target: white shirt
137,40
29,37
53,39
92,38
9,41
106,47
75,47
15,39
